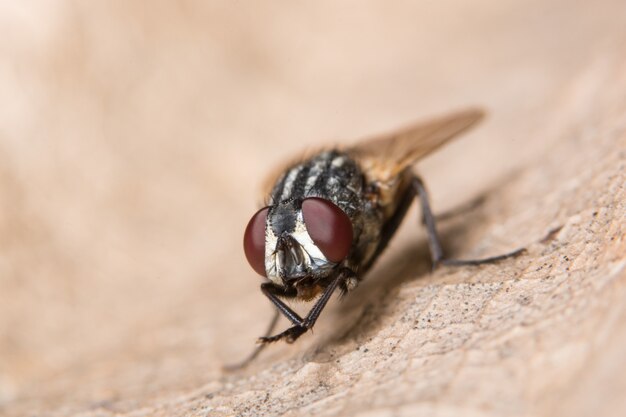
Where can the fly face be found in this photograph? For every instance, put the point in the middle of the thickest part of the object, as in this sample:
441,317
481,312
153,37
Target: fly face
298,241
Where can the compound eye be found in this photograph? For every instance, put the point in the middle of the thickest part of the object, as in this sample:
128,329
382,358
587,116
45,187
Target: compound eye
329,227
254,241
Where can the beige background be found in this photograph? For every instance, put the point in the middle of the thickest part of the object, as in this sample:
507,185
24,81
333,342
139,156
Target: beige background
133,138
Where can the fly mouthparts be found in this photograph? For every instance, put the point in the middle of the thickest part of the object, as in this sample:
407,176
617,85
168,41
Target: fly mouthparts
288,251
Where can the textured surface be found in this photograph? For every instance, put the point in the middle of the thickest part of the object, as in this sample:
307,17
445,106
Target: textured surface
132,141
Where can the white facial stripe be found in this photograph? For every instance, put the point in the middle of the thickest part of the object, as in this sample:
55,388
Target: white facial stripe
270,248
302,237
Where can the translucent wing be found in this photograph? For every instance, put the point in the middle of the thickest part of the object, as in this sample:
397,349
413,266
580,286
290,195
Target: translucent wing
384,157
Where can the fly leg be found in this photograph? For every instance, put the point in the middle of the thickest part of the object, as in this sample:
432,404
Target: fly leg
434,242
300,325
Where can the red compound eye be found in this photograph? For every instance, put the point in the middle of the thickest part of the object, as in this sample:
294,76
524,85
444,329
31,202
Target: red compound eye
254,241
329,227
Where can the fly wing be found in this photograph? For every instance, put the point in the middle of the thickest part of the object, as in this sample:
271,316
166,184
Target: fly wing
384,157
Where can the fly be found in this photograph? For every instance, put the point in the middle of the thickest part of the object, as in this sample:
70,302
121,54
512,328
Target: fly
329,216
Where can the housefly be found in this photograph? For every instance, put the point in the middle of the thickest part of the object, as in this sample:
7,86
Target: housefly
329,215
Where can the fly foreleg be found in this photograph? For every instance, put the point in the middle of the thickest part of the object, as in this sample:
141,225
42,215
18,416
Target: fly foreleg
301,325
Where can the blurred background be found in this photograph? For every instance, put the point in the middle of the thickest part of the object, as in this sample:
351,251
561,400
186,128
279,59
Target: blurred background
134,137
